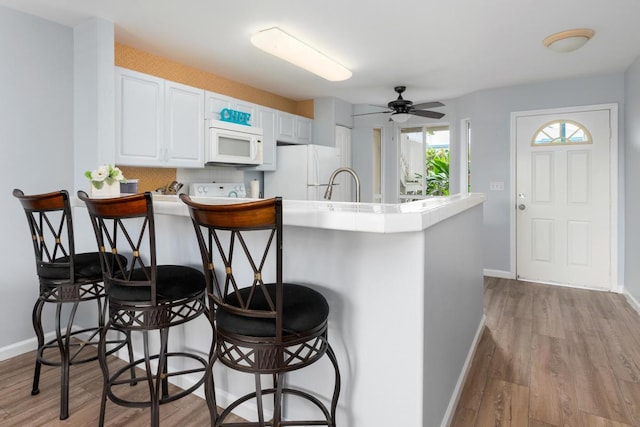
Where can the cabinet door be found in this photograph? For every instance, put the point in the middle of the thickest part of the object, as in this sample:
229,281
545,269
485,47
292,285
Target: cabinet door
184,125
214,103
266,120
139,118
246,107
304,130
286,130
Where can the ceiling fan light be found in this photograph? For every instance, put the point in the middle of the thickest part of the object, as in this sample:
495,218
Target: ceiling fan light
284,46
568,41
400,117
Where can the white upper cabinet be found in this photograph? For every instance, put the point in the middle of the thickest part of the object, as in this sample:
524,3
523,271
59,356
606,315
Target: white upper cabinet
293,129
139,118
184,125
158,123
215,103
265,118
304,130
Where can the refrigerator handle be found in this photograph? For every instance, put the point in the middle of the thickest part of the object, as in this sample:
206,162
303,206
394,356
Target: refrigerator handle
314,167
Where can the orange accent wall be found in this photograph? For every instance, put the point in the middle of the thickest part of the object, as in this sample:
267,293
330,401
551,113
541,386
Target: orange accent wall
149,179
138,60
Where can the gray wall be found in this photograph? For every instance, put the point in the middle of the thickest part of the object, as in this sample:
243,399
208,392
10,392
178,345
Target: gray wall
36,133
632,177
489,112
490,115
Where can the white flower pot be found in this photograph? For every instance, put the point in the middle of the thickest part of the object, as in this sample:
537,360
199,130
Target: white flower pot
107,190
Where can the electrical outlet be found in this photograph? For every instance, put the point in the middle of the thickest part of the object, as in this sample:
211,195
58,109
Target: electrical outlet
496,186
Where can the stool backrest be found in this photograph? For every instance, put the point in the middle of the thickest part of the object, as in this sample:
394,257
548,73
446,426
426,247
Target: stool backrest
49,218
222,232
125,226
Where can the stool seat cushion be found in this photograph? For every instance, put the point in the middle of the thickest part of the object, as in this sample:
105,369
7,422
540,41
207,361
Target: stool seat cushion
87,267
303,309
173,282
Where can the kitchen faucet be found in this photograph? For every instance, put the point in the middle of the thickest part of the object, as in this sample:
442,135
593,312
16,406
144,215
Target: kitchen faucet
327,193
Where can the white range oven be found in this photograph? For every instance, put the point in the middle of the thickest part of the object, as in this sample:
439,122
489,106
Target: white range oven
218,189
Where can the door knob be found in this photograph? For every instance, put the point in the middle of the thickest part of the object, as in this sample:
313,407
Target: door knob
522,207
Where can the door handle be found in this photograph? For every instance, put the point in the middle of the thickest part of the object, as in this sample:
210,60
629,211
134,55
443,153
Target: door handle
522,206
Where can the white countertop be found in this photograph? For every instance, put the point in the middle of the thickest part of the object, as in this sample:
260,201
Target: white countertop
361,217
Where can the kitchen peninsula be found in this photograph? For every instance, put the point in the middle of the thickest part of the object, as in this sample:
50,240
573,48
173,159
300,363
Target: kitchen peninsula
405,288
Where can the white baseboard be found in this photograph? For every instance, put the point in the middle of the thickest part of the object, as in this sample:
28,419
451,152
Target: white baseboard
457,391
21,347
632,301
499,274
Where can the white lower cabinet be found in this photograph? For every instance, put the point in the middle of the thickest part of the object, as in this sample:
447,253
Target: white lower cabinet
159,123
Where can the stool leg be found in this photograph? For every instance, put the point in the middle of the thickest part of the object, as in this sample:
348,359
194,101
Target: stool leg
130,354
64,344
278,380
37,326
209,385
164,343
259,399
102,359
336,388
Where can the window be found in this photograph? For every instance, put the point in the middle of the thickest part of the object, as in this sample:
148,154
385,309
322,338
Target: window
424,162
465,156
561,132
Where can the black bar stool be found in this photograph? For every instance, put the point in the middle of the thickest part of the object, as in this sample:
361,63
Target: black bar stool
65,278
144,296
261,327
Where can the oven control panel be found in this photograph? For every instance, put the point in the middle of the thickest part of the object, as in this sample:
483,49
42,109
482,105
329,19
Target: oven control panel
218,189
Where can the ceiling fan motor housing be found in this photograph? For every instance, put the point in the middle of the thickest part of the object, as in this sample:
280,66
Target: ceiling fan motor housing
400,105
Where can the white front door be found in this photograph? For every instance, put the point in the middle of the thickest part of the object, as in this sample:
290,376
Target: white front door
563,198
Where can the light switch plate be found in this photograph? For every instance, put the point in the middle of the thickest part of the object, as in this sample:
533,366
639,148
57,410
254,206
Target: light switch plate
496,186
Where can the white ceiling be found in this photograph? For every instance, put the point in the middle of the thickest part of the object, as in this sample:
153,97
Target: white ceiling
438,49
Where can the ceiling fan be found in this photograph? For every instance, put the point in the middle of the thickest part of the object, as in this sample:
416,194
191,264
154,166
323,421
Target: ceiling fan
401,109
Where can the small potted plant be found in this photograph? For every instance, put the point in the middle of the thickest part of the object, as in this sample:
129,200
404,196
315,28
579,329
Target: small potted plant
105,181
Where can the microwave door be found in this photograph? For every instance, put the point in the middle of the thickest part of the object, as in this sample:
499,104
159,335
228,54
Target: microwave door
234,147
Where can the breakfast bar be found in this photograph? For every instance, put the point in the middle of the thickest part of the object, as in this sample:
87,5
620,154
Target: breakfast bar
405,289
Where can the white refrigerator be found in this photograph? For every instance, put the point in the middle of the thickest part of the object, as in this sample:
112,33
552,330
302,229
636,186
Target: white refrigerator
303,172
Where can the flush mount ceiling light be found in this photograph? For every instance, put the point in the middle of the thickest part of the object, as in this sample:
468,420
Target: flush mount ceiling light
284,46
400,117
568,41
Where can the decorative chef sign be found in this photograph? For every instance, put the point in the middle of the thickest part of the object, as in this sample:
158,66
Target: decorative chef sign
234,116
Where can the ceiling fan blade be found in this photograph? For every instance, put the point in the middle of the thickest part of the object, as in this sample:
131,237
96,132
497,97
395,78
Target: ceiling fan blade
366,114
424,105
430,114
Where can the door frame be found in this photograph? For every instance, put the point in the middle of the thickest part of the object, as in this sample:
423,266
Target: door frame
614,189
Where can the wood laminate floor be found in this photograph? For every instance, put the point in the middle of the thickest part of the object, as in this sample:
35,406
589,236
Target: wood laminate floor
553,356
548,356
19,408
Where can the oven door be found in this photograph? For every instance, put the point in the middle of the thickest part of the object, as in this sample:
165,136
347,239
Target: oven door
233,148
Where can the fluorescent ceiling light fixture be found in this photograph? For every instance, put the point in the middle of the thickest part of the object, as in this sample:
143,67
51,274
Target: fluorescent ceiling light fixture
284,46
568,41
400,117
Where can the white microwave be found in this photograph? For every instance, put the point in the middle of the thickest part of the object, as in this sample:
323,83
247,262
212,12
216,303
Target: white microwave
231,143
